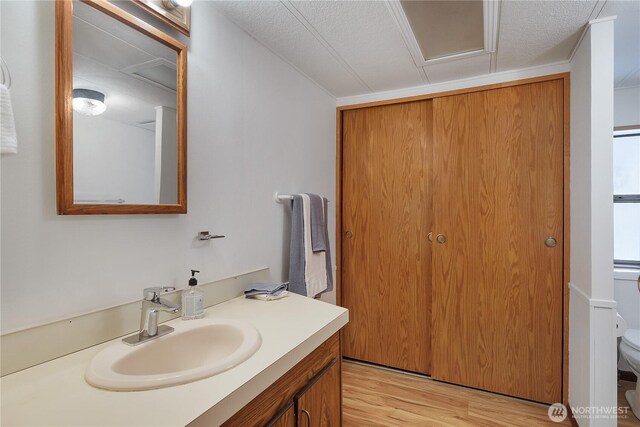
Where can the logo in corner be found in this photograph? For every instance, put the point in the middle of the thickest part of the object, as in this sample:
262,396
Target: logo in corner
557,412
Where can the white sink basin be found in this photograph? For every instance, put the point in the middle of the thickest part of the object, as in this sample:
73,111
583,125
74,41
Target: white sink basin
196,349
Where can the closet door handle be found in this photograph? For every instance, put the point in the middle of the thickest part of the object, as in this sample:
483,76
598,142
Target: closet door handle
441,238
430,236
551,242
304,411
348,234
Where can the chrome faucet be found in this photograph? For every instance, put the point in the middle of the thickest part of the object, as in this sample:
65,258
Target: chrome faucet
152,304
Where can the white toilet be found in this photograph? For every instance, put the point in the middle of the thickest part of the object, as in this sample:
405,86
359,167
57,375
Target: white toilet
630,350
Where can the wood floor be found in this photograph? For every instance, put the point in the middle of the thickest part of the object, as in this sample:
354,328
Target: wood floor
379,397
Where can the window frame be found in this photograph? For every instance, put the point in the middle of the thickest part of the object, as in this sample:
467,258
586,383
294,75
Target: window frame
625,132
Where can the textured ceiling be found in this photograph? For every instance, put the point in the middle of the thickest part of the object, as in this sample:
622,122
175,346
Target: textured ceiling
357,47
539,32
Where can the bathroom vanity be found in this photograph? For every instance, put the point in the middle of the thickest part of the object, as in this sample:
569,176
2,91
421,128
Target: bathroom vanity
310,391
297,368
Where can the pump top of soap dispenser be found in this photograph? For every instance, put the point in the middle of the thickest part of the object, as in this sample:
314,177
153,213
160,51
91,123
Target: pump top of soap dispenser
193,281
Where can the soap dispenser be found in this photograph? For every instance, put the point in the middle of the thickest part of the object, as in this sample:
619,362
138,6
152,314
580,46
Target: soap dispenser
192,297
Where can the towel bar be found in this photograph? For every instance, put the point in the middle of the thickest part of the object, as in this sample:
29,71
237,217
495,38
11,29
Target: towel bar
282,197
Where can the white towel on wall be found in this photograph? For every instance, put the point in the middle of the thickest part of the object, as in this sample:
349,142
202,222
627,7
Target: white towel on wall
8,138
315,266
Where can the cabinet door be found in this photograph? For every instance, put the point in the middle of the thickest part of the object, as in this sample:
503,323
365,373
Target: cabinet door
286,417
498,198
386,217
319,404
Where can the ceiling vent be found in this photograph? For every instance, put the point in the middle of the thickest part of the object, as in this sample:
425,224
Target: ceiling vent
440,30
158,72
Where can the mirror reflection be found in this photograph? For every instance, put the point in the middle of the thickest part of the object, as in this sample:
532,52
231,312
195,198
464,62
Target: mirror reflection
124,113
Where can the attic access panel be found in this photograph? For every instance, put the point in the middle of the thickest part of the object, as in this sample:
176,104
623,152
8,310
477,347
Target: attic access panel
445,28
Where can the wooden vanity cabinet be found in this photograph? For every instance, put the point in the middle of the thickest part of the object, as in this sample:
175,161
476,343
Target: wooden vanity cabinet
285,418
316,404
313,385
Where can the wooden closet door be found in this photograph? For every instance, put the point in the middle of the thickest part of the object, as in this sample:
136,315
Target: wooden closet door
498,195
386,257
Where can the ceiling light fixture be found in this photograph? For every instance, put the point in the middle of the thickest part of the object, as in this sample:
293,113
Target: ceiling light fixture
172,4
88,102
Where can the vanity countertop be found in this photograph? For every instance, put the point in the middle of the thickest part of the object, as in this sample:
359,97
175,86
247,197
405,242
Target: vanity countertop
56,394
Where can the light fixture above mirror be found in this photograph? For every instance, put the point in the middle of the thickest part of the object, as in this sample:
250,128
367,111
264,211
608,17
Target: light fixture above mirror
176,13
172,4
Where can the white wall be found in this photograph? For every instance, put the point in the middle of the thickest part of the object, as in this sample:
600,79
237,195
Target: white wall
112,160
627,106
166,155
627,113
626,226
626,292
627,298
255,126
592,354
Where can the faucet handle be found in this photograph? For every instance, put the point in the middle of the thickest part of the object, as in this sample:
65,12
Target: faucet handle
153,293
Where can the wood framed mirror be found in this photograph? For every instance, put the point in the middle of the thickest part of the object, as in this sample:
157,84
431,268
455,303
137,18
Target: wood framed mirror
121,112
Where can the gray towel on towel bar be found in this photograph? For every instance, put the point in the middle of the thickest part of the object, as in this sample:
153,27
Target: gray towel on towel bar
265,289
297,283
328,250
318,223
